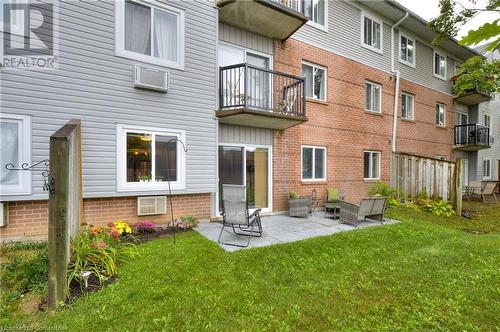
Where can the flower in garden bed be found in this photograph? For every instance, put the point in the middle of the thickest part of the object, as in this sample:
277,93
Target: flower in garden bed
146,227
121,227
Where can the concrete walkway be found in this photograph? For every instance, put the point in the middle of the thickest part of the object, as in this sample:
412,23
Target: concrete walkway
283,229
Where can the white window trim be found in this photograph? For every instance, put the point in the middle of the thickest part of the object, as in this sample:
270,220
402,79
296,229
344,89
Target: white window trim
412,105
380,98
269,175
490,163
405,62
317,25
121,157
444,115
377,20
313,179
370,164
24,186
18,28
120,35
326,79
434,52
491,123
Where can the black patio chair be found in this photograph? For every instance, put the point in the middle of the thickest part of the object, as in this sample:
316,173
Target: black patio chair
235,214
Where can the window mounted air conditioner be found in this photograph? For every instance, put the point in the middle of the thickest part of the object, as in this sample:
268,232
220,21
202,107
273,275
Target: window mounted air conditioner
151,205
151,78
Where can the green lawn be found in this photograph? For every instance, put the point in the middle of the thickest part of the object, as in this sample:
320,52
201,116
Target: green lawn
419,274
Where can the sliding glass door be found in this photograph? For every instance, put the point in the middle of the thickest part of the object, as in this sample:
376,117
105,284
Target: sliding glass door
249,166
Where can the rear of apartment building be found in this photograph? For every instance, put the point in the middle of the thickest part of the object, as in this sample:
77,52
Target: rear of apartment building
278,96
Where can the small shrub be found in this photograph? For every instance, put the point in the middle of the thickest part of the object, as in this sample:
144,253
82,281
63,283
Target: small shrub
439,208
145,227
100,254
382,189
184,223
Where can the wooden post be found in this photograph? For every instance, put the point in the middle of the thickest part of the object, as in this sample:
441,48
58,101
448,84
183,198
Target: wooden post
457,187
65,206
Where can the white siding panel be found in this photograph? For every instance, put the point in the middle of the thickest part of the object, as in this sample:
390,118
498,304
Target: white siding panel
94,85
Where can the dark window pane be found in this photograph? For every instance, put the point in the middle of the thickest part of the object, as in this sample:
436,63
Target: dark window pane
403,48
165,158
307,72
368,96
319,167
138,157
319,86
307,161
230,167
367,31
307,8
403,107
367,165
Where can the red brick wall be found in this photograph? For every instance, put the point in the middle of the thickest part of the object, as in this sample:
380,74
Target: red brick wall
342,126
30,218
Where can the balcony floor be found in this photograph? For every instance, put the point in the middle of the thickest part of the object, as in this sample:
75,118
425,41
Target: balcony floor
261,119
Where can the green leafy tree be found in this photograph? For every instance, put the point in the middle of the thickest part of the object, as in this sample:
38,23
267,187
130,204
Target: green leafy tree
453,15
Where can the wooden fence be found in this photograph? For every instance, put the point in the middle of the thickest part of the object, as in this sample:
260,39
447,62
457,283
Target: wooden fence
413,174
65,205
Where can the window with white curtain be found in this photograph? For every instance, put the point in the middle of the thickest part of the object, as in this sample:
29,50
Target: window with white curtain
439,66
486,169
316,10
150,33
371,33
407,106
373,97
315,81
15,149
407,50
371,163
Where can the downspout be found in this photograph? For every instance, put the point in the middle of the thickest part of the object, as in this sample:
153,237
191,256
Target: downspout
396,89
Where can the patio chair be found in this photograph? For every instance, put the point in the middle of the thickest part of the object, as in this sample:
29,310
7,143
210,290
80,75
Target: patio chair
488,192
235,214
368,208
333,197
299,206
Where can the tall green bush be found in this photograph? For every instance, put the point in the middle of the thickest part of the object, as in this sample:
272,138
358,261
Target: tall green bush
382,189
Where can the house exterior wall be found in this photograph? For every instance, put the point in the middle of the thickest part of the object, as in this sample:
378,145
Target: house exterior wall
96,86
343,37
491,108
29,219
343,126
246,39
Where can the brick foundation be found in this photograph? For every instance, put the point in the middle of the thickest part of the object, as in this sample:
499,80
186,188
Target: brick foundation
29,219
342,126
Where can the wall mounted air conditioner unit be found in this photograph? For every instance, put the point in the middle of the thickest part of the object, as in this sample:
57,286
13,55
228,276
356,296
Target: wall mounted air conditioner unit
151,205
151,78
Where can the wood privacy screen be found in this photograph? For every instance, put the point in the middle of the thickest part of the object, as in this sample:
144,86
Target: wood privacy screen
65,205
414,174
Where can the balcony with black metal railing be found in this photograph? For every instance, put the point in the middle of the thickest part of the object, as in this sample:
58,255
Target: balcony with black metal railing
257,97
471,137
276,19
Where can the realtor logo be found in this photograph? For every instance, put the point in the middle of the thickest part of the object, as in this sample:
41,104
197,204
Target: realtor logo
28,36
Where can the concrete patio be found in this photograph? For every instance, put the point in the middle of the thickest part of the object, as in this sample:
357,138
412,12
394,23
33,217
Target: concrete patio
282,229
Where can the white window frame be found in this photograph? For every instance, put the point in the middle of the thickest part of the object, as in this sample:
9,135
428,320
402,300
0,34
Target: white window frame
370,164
434,64
489,162
412,105
18,27
24,185
121,157
313,65
406,62
490,124
325,163
376,20
444,115
120,34
316,24
371,96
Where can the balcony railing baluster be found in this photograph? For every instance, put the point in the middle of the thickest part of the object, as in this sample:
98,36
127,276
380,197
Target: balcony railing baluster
472,134
260,89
